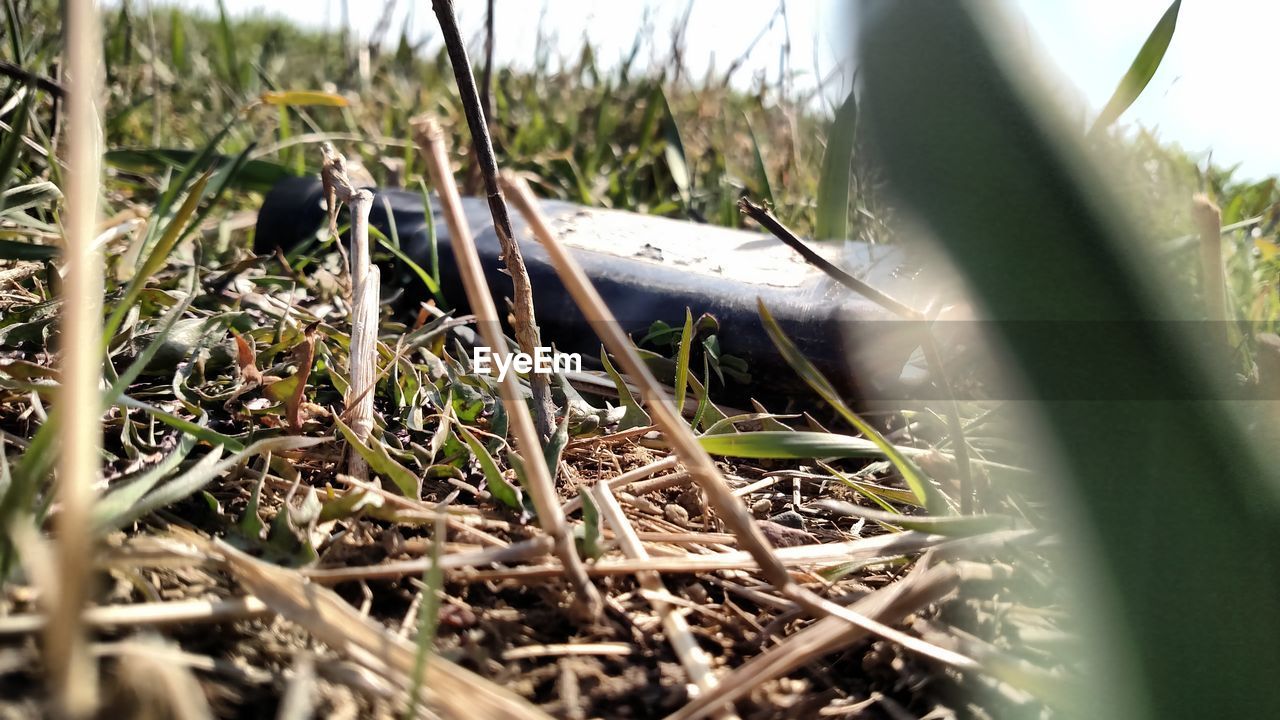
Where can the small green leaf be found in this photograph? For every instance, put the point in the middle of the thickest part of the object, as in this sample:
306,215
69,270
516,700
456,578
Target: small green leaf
635,415
762,172
789,445
499,488
682,361
381,462
555,445
588,534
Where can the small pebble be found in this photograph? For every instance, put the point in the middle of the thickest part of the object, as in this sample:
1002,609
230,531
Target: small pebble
695,592
676,515
762,508
790,518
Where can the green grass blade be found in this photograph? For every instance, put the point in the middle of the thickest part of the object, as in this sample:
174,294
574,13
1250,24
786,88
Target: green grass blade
1142,70
203,472
125,493
784,445
635,416
427,280
499,488
155,260
428,616
381,462
924,490
835,183
682,361
762,171
12,141
957,525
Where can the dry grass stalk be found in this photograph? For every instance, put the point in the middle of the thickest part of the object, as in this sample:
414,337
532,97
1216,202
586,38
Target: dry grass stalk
692,658
798,557
542,485
363,354
641,473
72,671
685,444
524,322
448,689
1208,219
150,614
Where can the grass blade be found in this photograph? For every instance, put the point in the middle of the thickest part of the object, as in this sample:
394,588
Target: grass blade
928,495
836,179
1142,70
682,361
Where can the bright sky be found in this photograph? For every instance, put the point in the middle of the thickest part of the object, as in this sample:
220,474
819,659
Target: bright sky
1214,90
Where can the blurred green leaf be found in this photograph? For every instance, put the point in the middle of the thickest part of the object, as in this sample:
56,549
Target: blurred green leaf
788,445
253,176
304,98
958,525
682,361
1180,507
835,182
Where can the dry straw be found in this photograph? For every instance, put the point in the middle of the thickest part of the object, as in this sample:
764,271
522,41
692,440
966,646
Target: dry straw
541,484
71,668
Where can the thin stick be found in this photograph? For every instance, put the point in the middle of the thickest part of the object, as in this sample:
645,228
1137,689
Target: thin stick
641,473
525,325
542,486
365,291
691,454
799,558
148,614
788,238
72,671
695,661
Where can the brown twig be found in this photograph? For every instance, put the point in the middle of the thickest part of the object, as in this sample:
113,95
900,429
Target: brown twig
525,324
17,72
542,484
